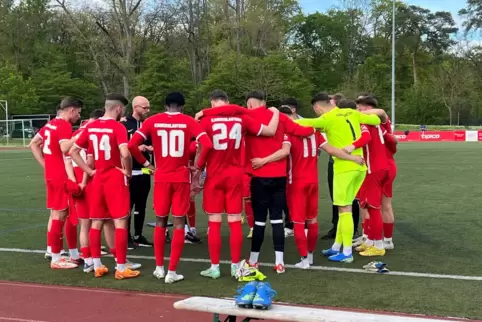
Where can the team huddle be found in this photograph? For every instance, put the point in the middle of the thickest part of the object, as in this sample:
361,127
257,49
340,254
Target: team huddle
264,156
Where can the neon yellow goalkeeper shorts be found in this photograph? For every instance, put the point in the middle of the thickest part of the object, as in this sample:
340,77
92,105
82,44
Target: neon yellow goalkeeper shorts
346,186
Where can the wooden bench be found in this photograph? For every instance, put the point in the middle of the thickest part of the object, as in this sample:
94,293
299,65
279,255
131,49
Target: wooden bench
285,313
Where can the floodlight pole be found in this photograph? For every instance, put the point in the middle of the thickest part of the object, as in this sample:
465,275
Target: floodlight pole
4,105
393,63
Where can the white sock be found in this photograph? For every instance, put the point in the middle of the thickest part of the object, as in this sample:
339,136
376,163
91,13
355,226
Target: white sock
279,258
171,273
379,244
55,257
310,258
74,253
215,266
369,242
159,268
253,257
121,267
49,249
388,240
186,229
88,261
336,247
97,263
347,251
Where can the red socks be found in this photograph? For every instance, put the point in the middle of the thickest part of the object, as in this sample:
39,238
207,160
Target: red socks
121,245
70,234
54,236
312,236
388,230
177,245
376,224
235,241
248,210
113,252
85,251
300,239
214,241
366,227
191,214
95,240
159,242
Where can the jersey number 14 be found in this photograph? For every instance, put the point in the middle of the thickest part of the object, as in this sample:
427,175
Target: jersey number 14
101,145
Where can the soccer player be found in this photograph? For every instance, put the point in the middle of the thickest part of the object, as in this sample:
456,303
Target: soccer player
370,194
302,190
80,204
140,184
342,128
223,188
49,147
171,133
107,139
268,184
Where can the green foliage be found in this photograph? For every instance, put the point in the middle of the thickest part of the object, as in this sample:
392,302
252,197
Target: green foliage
19,92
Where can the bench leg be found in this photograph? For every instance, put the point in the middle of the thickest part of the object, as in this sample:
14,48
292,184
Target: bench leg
231,318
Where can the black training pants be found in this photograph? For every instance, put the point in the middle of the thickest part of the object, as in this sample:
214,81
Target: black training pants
139,188
268,194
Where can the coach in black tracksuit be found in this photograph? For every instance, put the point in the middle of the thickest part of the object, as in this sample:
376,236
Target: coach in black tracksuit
140,184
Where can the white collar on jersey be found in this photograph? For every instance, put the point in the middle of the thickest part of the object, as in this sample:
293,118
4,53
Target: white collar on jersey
106,118
172,113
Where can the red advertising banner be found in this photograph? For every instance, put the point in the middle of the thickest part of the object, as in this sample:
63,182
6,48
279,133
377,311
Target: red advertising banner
480,135
432,136
460,136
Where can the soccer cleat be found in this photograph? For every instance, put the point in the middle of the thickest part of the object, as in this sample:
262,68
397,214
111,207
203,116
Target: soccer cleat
376,267
189,238
88,268
254,265
63,253
329,252
159,273
78,261
359,241
141,241
173,278
341,258
264,296
193,231
303,264
289,232
279,268
63,263
132,266
388,244
101,271
126,274
373,251
250,234
363,247
213,273
246,295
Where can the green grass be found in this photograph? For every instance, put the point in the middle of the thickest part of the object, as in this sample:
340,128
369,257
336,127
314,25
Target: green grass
437,231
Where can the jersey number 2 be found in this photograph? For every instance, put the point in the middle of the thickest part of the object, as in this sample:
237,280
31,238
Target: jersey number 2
234,134
46,148
102,145
172,143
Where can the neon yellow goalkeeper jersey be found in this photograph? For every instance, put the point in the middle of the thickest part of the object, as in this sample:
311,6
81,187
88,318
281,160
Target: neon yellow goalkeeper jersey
342,128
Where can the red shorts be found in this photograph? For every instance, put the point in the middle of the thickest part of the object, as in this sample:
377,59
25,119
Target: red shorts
171,197
109,196
223,195
302,201
246,186
371,191
81,203
57,196
388,186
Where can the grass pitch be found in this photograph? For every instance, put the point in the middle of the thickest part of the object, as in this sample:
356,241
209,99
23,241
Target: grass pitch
437,232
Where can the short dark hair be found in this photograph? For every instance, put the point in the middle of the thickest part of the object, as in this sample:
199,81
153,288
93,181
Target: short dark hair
291,102
259,95
347,103
57,108
117,97
97,113
70,102
365,94
368,100
337,98
320,97
175,99
218,94
285,109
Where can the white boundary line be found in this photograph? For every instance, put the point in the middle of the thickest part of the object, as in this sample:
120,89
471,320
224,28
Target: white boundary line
317,268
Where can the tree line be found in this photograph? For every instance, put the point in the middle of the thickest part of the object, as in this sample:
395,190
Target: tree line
54,48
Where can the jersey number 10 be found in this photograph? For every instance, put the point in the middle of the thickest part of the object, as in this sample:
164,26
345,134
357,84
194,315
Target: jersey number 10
172,143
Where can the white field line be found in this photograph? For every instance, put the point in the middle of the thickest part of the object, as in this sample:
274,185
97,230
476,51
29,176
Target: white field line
317,268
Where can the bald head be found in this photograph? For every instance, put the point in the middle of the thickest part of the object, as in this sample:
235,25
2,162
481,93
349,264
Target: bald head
140,107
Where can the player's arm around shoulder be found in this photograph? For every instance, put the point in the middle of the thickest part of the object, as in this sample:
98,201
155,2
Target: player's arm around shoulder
373,117
294,128
317,123
341,154
257,128
282,153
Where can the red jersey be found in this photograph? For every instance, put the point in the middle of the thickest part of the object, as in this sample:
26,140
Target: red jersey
303,159
262,146
171,135
83,153
103,137
226,158
374,152
54,132
390,143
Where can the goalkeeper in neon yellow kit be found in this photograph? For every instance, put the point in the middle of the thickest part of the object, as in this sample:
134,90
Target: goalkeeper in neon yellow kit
342,128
